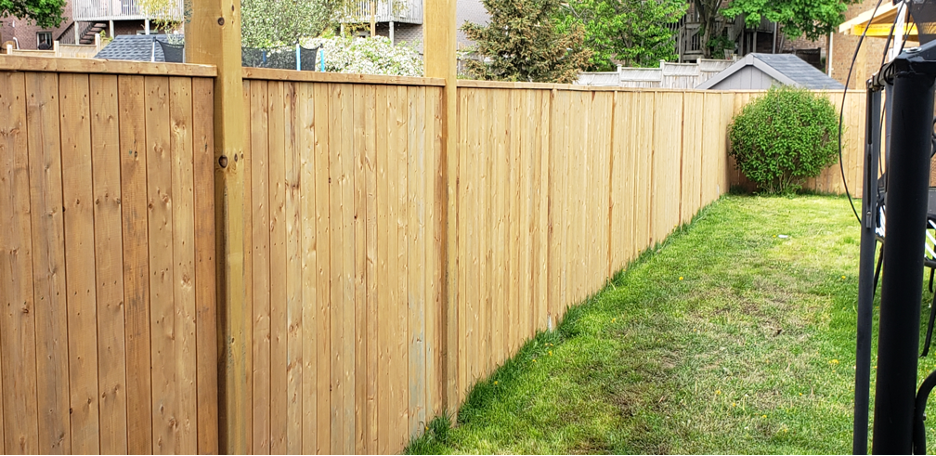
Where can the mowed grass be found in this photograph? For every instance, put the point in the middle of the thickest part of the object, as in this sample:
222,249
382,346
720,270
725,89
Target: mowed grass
736,335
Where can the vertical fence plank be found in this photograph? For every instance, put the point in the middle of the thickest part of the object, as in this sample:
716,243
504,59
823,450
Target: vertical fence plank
386,294
692,145
404,105
525,280
260,258
514,329
183,251
165,400
436,312
279,392
542,183
18,408
323,123
416,256
78,215
488,214
293,302
472,245
371,436
305,107
359,218
136,262
45,180
341,162
248,327
206,308
105,134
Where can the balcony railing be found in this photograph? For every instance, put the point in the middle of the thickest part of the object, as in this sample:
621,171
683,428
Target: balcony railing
406,11
106,10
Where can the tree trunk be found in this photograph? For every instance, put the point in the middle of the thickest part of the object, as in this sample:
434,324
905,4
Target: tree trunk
708,11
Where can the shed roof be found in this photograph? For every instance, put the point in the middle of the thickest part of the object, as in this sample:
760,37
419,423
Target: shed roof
788,69
133,47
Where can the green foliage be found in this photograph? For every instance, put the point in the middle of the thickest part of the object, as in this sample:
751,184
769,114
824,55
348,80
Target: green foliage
785,136
375,55
630,32
268,24
44,13
813,18
521,43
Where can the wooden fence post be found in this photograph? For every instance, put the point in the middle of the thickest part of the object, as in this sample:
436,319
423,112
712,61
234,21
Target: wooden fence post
439,39
214,37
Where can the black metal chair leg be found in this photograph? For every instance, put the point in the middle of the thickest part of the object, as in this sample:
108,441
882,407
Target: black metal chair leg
932,270
929,328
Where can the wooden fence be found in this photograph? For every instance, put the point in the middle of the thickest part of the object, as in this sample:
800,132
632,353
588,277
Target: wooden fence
108,338
107,279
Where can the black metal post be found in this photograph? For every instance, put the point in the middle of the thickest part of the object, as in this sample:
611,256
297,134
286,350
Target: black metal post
902,284
866,271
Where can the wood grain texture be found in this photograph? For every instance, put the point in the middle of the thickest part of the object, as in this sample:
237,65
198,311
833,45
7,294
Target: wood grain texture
105,134
323,123
134,202
78,212
279,387
305,111
49,288
17,315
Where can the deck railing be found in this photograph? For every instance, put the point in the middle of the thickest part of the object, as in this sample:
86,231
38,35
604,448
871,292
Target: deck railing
104,10
406,11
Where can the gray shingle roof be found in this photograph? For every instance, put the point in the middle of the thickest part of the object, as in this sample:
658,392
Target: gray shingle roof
786,69
132,47
799,71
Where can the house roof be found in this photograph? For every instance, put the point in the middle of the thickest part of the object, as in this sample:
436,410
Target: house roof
788,69
133,47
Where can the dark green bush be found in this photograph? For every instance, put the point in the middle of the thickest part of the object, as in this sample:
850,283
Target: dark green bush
784,137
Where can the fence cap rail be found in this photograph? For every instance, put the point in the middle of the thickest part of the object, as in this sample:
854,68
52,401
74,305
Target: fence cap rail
273,74
71,65
475,84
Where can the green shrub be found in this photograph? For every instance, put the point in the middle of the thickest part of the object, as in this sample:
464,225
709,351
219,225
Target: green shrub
784,137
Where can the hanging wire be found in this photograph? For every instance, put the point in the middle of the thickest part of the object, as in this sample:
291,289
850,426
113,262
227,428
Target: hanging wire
842,110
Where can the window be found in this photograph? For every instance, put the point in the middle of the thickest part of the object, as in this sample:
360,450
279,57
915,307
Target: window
43,40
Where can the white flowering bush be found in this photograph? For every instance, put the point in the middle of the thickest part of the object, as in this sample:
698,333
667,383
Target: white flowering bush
368,56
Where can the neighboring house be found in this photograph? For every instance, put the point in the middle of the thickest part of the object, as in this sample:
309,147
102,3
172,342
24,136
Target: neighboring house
761,71
406,24
28,36
83,20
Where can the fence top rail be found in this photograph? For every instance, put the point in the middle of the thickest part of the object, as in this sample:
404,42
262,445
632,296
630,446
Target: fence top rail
272,74
73,65
475,84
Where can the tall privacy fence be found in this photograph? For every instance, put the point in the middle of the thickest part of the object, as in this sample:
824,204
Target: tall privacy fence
108,313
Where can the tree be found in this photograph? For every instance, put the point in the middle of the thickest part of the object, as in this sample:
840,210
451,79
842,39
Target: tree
165,15
521,43
267,24
45,13
631,32
812,18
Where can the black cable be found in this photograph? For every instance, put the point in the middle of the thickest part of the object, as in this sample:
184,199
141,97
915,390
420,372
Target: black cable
842,110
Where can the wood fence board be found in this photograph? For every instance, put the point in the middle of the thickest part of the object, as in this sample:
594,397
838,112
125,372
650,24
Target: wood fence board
51,323
436,199
471,285
692,137
294,322
360,139
165,400
248,248
305,111
260,261
404,105
105,134
341,162
279,336
205,271
514,329
371,435
487,213
323,346
542,183
461,254
17,316
416,258
136,272
78,215
396,170
385,291
499,303
524,221
183,251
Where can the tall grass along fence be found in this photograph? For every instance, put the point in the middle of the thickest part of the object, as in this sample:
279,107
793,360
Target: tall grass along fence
108,332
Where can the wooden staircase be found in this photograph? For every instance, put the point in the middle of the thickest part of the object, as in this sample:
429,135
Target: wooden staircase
88,36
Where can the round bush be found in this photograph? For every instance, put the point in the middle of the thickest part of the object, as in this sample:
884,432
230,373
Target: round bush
784,137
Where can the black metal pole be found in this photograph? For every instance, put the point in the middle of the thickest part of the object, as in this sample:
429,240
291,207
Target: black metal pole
866,271
902,284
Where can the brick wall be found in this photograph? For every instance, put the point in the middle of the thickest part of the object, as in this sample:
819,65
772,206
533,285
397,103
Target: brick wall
843,50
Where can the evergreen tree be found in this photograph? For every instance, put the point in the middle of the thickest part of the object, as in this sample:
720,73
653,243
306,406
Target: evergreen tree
521,43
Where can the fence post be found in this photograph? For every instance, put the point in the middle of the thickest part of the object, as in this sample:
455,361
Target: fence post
439,39
214,37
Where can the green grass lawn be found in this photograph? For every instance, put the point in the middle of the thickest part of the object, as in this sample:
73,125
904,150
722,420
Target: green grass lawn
736,335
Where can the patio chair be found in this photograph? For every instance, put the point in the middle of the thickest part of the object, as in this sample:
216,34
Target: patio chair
929,248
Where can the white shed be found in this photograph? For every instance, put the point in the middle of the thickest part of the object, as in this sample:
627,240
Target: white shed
761,71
